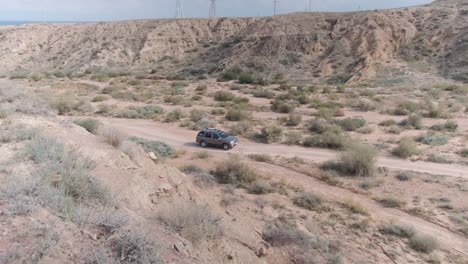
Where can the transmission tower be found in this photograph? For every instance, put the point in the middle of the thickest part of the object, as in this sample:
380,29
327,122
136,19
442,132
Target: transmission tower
275,3
179,10
213,8
310,5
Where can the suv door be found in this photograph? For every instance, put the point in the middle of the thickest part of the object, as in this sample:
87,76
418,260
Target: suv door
207,137
217,140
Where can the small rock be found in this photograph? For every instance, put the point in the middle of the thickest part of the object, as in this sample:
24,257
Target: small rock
152,156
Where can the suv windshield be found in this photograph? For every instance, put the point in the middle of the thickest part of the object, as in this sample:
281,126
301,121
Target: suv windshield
223,134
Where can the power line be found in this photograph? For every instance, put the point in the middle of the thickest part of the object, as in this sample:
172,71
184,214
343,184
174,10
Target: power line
310,5
179,10
275,3
212,9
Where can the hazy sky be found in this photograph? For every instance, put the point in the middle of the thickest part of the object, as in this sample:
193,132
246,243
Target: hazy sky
100,10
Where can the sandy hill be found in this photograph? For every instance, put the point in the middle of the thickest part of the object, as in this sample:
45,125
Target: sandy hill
349,45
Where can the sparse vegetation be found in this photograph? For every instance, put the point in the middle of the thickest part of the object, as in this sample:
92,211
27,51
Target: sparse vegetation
160,149
91,125
112,136
307,200
423,243
234,171
406,148
271,134
397,230
192,221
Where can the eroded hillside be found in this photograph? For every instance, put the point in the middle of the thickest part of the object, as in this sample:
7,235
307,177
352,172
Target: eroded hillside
352,46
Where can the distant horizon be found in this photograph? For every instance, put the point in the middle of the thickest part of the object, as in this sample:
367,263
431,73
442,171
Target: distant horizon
56,11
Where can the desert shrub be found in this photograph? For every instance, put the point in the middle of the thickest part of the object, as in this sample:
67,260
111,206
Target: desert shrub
261,157
204,123
284,234
196,223
174,116
356,208
103,109
413,121
126,113
423,243
351,124
218,112
234,171
359,159
406,108
110,89
16,133
201,88
63,105
112,136
307,200
246,78
439,158
263,93
321,126
435,110
125,95
99,98
237,115
224,96
432,139
149,111
293,138
260,186
450,126
135,247
325,140
388,122
405,176
282,106
174,100
397,230
271,134
365,105
406,148
242,128
91,125
464,153
197,115
390,202
294,119
160,149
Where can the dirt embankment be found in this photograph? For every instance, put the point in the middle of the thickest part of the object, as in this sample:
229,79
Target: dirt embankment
350,45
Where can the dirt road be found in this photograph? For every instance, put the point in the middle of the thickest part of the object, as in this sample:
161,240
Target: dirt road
182,138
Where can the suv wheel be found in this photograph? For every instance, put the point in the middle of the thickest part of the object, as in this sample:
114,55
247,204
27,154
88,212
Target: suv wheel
225,146
203,144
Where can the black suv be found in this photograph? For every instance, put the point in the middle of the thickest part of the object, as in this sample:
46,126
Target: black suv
215,137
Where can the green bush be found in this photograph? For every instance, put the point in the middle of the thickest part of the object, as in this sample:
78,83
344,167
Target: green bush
91,125
351,124
405,176
388,122
110,89
397,230
359,159
307,200
263,93
197,115
423,243
321,126
450,126
390,202
246,78
432,139
237,115
413,121
294,119
260,187
160,149
224,96
271,134
281,106
174,116
325,140
406,108
293,138
406,148
234,171
134,247
261,157
99,98
464,153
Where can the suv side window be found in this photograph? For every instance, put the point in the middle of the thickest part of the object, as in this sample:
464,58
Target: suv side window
201,134
208,134
215,136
